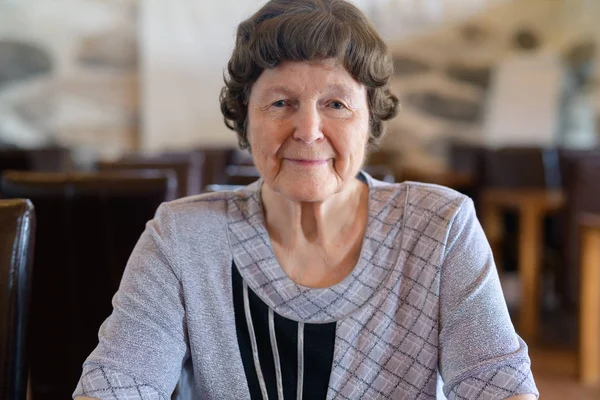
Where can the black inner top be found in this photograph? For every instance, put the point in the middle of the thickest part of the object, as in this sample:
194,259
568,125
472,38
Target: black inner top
319,340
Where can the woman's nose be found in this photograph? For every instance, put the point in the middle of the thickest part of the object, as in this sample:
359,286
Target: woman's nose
308,125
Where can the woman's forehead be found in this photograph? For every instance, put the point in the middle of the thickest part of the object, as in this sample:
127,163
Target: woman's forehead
293,77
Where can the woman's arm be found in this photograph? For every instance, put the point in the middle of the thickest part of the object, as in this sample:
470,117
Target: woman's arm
522,397
480,351
142,345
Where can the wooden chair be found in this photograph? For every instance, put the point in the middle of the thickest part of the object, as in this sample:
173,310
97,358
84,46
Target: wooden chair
188,168
216,161
241,175
589,315
519,202
522,167
582,187
50,159
17,229
87,226
526,168
468,160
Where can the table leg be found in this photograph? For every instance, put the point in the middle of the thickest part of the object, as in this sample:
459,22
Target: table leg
589,321
529,266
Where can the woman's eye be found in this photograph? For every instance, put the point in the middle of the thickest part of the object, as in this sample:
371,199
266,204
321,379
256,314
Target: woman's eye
279,103
337,105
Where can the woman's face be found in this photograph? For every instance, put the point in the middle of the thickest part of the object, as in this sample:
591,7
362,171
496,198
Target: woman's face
308,127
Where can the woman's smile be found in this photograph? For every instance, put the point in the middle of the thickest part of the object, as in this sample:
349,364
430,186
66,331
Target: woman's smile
307,163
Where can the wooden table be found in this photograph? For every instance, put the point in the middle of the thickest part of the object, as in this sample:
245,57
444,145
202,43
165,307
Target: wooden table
589,321
533,206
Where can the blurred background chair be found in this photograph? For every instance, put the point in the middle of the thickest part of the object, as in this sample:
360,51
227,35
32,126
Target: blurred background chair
87,226
522,167
241,175
216,161
589,317
17,229
468,160
187,166
582,187
41,159
520,198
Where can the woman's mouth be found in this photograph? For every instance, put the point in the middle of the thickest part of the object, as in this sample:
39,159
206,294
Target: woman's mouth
307,163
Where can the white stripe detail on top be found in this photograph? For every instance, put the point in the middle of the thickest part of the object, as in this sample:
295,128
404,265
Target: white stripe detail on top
300,360
275,354
259,374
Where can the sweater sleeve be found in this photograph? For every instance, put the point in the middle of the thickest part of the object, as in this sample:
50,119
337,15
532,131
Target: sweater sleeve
480,354
143,344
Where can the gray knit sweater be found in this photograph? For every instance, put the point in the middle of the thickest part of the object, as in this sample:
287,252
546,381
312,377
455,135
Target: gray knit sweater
423,302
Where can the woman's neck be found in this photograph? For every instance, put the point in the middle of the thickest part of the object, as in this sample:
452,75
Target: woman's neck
292,223
317,244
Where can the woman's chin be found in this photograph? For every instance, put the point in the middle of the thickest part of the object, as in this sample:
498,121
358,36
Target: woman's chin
306,192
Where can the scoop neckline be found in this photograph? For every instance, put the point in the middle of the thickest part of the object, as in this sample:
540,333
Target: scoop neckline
255,260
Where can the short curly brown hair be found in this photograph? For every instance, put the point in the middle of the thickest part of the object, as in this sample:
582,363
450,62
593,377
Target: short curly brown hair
305,30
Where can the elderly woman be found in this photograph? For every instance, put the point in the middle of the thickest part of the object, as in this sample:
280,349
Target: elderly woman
317,281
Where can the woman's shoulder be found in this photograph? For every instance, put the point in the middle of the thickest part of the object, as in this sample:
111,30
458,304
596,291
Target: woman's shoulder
418,194
427,207
199,215
205,205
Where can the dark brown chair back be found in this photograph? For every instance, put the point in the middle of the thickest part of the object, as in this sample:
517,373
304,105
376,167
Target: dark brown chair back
522,167
14,159
17,229
583,196
241,175
87,226
186,166
468,159
569,157
215,164
43,159
241,157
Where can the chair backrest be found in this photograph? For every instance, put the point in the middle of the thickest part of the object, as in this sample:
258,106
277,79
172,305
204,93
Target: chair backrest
215,163
241,157
522,167
42,159
17,228
241,175
569,157
15,159
87,226
582,186
196,167
467,158
188,168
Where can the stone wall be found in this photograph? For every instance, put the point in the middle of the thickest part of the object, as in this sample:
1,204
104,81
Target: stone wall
69,70
68,75
443,76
